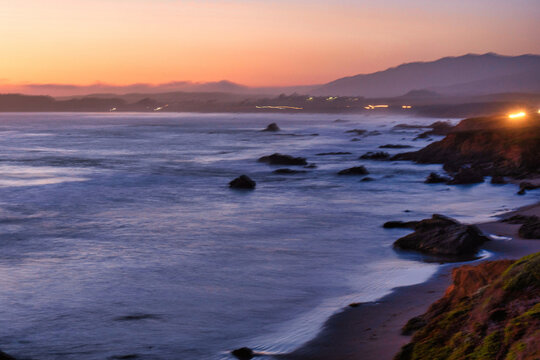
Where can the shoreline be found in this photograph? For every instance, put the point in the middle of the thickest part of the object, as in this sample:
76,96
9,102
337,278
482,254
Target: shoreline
372,330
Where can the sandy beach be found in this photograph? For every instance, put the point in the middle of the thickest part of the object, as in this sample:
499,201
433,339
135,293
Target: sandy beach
372,331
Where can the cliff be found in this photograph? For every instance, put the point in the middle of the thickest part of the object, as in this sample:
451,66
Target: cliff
490,145
491,311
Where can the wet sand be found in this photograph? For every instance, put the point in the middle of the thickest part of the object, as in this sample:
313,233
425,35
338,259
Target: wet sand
372,331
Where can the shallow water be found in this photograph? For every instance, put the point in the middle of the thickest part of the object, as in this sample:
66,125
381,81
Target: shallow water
120,236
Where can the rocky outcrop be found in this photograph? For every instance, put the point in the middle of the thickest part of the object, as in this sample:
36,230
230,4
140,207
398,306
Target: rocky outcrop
524,186
4,356
466,176
491,311
490,145
443,236
273,127
356,170
243,353
377,155
242,182
434,178
280,159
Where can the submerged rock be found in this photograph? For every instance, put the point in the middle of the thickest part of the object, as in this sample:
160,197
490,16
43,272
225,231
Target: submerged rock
394,146
242,182
377,155
334,153
281,159
443,236
356,131
244,353
435,178
288,171
367,179
400,224
272,127
356,170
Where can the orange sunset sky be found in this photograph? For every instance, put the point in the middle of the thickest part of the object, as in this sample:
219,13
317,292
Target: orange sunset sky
256,43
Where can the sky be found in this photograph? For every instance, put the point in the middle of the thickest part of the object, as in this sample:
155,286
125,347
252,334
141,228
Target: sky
251,42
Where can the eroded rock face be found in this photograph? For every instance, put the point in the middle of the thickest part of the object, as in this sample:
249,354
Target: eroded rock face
356,170
281,159
443,236
242,182
491,311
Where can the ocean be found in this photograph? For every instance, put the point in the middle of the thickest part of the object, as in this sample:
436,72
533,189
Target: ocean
120,236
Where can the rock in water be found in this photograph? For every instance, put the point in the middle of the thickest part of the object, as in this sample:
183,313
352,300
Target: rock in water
435,178
4,356
243,353
530,228
280,159
272,127
400,224
377,155
242,182
357,170
443,236
498,180
467,176
288,171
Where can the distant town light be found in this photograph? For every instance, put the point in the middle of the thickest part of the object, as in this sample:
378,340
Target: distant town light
373,107
406,106
279,107
517,115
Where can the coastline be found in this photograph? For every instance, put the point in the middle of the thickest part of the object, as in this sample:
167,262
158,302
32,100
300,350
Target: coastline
372,330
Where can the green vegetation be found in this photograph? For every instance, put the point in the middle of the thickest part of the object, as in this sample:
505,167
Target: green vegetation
500,322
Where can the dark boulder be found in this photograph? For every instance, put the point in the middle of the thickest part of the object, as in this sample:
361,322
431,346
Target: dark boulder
530,228
280,159
272,127
524,186
356,170
367,179
498,180
443,236
467,176
243,353
242,182
400,224
435,178
377,155
288,171
4,356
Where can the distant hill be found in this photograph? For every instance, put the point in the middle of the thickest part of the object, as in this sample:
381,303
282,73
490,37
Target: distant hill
462,75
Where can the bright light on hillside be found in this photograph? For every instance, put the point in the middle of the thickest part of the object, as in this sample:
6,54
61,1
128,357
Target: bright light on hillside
517,115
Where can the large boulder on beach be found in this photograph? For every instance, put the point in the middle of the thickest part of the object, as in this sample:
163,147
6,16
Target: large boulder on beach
242,182
443,236
272,127
244,353
530,228
281,159
356,170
